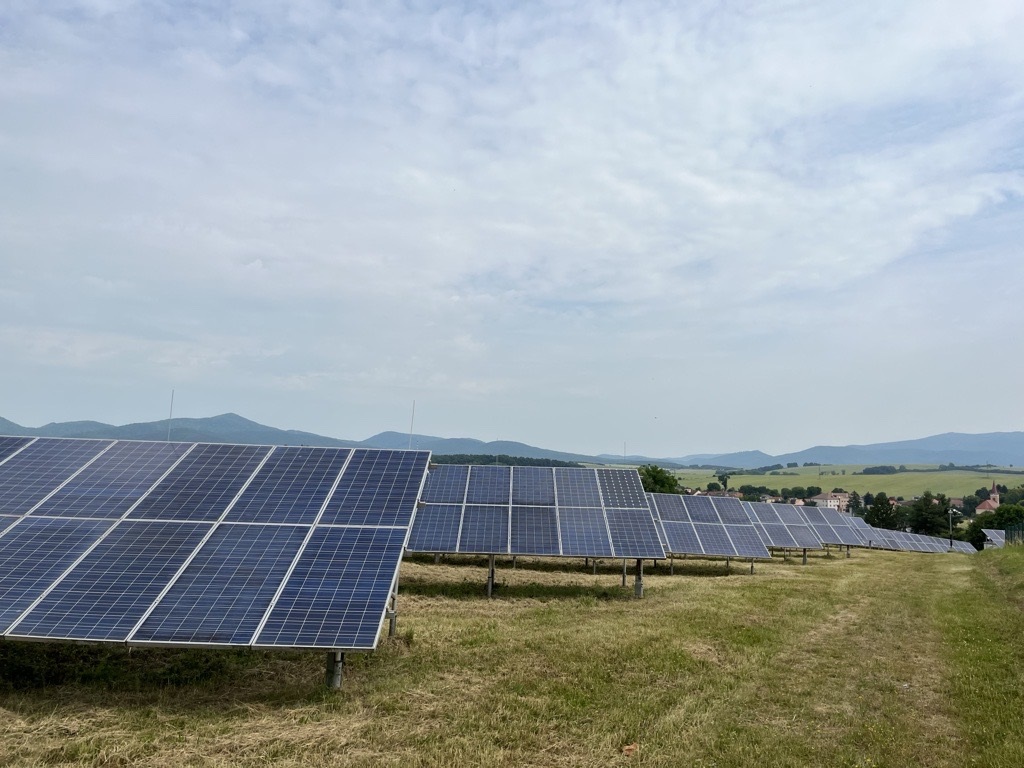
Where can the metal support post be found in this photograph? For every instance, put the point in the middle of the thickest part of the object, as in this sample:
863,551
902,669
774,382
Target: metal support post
623,571
671,565
638,587
727,565
751,565
335,665
595,566
847,551
828,551
490,576
805,557
393,615
513,562
437,558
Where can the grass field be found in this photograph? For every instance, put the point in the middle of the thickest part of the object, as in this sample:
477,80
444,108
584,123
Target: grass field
954,483
884,659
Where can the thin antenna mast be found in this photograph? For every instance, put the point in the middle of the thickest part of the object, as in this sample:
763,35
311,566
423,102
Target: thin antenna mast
411,422
170,415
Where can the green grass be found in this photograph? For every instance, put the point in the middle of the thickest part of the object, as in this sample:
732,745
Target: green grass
953,483
881,659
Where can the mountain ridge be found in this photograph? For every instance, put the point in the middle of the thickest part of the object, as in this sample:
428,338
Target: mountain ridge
998,448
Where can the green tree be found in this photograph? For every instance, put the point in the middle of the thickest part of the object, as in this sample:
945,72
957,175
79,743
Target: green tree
657,479
999,520
713,486
883,513
855,506
723,478
930,515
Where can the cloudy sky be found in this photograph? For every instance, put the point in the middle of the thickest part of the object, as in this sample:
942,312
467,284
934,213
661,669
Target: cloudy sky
682,227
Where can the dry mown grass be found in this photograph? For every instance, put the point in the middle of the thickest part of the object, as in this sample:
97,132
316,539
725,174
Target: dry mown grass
871,660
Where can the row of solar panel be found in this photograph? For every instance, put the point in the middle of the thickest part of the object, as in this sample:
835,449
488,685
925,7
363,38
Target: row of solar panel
994,538
534,486
190,544
521,530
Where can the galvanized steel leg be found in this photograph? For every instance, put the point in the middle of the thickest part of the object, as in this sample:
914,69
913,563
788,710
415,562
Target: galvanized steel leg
393,616
672,565
805,557
751,565
623,571
335,665
638,587
490,576
847,551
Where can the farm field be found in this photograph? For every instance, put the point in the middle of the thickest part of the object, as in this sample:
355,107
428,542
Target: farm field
880,659
953,483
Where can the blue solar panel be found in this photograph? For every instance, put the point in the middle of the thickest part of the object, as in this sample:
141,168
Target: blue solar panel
826,534
337,594
669,507
34,553
534,531
290,487
805,537
377,488
634,534
223,594
778,535
575,487
813,515
436,528
9,445
621,489
202,485
714,539
104,596
682,539
746,541
446,484
701,509
789,514
584,532
29,476
533,486
489,485
731,510
110,485
764,513
484,530
6,521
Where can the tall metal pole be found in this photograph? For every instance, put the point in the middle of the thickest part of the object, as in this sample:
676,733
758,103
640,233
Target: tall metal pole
170,415
950,529
412,421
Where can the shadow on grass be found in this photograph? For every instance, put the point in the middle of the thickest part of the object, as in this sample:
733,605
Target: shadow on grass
476,589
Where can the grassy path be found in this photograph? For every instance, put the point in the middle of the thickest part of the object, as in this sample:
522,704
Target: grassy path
884,659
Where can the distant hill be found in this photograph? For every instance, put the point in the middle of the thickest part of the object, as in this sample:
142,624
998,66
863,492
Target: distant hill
1000,448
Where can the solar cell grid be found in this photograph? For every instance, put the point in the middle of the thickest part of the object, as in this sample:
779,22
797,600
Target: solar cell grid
669,507
621,489
584,532
202,485
113,482
778,535
805,537
714,539
681,538
377,488
576,487
290,487
29,476
446,484
489,485
9,445
764,513
436,528
338,592
223,594
484,530
730,510
533,486
112,587
633,534
34,553
746,541
789,514
813,516
701,509
534,531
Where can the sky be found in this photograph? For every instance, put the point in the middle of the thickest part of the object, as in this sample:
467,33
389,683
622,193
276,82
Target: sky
659,227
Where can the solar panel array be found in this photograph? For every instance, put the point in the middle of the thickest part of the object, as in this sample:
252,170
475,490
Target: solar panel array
781,526
560,511
704,525
994,538
201,544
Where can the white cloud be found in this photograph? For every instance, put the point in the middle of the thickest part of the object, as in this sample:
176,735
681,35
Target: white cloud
530,217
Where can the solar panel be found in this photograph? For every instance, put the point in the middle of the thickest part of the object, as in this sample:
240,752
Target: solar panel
701,509
30,475
134,542
221,597
436,528
746,541
9,445
489,485
669,507
338,592
714,539
291,486
584,532
202,485
534,531
730,510
533,486
446,484
538,511
996,538
681,538
111,484
738,538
